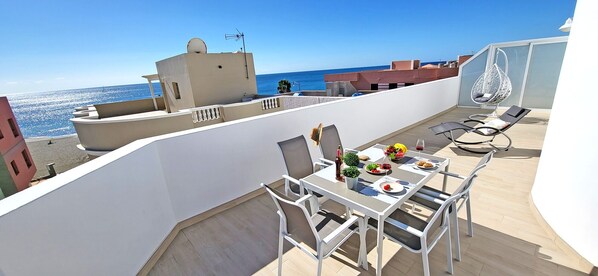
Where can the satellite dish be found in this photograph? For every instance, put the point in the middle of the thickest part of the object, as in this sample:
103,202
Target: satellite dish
196,45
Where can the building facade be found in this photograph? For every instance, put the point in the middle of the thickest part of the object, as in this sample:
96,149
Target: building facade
16,167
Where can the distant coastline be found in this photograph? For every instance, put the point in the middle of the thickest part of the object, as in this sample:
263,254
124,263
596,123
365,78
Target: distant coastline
45,115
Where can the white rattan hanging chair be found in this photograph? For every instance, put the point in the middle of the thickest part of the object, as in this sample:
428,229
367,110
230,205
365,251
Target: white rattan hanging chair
492,87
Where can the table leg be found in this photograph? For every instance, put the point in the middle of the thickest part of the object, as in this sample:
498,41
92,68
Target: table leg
446,169
363,256
379,245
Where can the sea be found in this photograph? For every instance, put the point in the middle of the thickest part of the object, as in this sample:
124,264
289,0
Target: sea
47,114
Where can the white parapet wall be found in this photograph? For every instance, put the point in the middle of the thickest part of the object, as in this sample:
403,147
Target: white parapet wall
108,216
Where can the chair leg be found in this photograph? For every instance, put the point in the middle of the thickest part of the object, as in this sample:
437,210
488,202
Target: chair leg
456,231
319,266
314,205
449,249
280,247
469,221
425,261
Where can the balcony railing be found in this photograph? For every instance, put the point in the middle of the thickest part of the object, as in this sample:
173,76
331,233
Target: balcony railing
204,114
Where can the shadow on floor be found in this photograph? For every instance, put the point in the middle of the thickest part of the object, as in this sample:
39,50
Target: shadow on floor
488,252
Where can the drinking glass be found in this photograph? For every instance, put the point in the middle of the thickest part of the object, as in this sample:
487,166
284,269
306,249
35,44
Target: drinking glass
419,146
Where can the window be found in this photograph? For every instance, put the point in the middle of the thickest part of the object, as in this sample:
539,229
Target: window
374,86
177,93
392,85
13,127
14,167
27,159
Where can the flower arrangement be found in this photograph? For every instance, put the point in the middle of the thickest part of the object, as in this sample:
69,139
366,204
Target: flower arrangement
396,151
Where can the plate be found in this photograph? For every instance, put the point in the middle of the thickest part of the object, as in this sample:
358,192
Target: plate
395,187
434,166
379,172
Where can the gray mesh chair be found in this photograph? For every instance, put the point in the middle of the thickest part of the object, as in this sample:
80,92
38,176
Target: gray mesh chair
433,199
329,144
487,133
420,236
318,235
298,163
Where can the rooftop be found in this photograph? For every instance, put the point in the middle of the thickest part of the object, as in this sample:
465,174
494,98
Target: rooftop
509,237
189,202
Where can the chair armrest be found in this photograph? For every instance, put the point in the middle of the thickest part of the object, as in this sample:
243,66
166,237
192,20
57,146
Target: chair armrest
341,228
431,197
291,179
351,150
474,120
320,165
452,174
326,161
404,227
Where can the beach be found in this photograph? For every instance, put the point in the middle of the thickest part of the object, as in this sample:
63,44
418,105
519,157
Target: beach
62,151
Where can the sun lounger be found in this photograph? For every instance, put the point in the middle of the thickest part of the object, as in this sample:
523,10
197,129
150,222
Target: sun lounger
487,130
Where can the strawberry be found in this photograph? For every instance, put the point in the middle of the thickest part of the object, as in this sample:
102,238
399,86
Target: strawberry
386,187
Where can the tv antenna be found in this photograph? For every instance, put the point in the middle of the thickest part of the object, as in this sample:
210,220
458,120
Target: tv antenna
236,37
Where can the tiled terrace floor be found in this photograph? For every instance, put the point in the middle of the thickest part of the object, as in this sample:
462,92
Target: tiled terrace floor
508,237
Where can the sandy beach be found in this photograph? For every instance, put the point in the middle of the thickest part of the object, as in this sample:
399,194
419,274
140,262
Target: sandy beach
62,151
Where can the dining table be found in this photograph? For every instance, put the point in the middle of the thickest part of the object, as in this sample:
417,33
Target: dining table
368,195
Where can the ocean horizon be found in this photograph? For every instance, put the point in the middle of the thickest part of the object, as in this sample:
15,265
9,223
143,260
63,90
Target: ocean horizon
47,114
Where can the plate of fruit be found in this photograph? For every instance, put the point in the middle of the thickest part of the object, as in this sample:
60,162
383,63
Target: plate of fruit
375,168
396,151
391,187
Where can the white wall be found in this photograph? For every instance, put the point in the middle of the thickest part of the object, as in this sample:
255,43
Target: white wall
244,153
566,187
109,215
101,218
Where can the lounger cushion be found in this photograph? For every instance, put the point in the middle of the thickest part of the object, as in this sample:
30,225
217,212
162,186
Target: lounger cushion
515,111
496,123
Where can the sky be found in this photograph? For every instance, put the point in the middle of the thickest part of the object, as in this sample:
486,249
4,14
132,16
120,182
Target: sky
54,45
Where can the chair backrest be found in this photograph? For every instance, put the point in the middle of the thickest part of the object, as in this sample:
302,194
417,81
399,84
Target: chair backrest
468,182
439,218
513,115
484,160
296,157
298,223
330,142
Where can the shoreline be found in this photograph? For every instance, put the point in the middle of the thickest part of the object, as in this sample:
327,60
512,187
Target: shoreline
60,150
46,138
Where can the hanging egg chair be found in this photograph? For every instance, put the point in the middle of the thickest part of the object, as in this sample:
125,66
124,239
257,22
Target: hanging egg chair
492,87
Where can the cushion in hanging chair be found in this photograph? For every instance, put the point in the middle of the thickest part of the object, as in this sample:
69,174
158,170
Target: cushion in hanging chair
483,98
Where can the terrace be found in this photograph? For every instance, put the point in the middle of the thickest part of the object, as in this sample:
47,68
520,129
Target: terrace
509,237
190,203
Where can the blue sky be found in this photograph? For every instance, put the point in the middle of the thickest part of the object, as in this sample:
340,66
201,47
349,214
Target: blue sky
51,45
